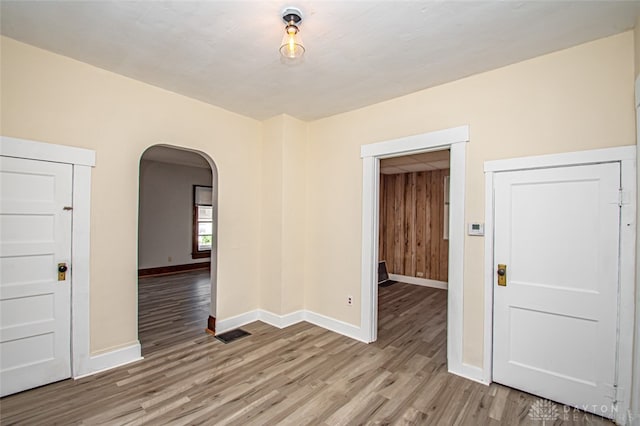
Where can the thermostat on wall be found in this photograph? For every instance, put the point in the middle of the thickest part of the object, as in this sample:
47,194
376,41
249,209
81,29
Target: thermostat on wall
476,228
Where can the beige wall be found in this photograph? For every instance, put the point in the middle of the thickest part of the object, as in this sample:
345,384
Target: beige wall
50,98
577,99
283,214
271,215
290,192
294,166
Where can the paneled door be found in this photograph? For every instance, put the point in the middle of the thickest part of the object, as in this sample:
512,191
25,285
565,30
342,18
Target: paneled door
556,248
35,245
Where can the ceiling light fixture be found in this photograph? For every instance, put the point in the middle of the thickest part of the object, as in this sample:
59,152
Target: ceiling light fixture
291,46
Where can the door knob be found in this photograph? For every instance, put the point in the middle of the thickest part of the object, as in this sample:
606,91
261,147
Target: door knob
62,271
502,275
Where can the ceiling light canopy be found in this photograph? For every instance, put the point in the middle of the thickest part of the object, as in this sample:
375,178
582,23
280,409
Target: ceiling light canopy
291,46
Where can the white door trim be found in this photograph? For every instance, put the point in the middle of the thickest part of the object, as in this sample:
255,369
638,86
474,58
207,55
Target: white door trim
454,139
626,156
82,160
635,388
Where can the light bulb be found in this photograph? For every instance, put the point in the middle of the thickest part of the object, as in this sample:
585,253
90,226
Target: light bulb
291,46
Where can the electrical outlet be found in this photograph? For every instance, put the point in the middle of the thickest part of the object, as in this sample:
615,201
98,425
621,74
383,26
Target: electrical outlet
419,274
349,300
169,259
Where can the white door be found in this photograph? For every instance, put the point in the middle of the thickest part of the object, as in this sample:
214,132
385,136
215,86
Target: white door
555,321
35,309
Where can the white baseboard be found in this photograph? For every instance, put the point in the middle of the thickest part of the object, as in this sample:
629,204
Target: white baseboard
283,321
470,372
279,321
420,281
227,324
335,325
113,359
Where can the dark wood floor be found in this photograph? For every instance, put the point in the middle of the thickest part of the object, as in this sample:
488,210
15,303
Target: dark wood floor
299,375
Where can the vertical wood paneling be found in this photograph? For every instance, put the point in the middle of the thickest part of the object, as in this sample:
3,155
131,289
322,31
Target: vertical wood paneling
408,249
421,222
411,224
390,214
398,218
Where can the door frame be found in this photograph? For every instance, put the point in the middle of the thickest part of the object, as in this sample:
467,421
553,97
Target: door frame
82,160
626,156
456,140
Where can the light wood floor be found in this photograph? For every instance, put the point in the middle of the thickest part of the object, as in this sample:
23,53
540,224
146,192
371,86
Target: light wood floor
172,309
300,375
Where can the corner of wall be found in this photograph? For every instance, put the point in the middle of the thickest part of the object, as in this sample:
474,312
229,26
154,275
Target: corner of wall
283,214
294,213
271,211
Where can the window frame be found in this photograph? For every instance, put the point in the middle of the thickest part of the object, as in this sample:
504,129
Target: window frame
196,253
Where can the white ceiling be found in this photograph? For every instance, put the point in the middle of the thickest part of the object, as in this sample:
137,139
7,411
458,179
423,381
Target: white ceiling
358,52
165,154
434,160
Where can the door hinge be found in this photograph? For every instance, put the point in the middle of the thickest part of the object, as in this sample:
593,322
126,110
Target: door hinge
611,392
623,197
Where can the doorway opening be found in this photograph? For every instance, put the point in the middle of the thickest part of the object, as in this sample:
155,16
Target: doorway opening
413,221
177,246
413,248
455,140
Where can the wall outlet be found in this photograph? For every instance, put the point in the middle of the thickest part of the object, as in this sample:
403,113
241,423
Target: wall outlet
349,300
419,274
169,259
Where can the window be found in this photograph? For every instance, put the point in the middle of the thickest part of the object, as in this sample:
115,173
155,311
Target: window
202,222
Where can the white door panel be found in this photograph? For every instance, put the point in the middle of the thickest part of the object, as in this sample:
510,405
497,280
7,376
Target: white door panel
35,235
557,230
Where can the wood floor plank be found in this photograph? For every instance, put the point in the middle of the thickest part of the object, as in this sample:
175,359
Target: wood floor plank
299,375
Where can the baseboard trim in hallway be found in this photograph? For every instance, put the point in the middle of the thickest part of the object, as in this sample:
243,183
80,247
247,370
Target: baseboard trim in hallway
173,269
420,281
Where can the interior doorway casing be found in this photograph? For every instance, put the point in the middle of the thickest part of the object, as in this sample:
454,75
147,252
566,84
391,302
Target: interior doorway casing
82,160
454,139
214,249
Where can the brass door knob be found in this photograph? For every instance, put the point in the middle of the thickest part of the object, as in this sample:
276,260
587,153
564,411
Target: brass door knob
502,274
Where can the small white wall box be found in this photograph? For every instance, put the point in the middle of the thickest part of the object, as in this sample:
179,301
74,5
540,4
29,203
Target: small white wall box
476,228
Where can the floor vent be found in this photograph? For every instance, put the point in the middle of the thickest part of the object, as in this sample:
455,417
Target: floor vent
232,335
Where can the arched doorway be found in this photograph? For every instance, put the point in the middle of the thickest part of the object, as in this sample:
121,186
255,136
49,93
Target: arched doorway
177,245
